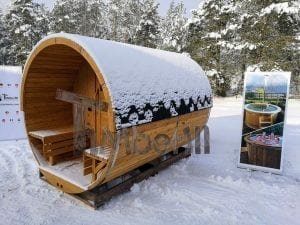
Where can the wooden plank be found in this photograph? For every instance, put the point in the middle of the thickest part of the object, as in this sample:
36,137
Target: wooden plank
60,183
87,170
58,57
38,80
59,151
35,97
100,166
87,161
44,89
58,60
46,54
59,137
47,124
51,132
59,144
61,49
48,105
49,84
46,65
45,74
82,101
38,110
41,117
53,70
40,95
90,116
37,105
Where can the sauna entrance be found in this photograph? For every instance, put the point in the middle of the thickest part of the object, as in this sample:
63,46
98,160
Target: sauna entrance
53,123
80,135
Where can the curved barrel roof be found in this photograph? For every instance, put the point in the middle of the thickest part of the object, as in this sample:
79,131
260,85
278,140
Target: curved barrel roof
139,79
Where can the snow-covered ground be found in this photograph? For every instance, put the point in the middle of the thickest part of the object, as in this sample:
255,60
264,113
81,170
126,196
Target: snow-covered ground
204,189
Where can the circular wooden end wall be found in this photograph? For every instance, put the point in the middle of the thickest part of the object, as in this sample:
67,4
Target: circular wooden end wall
59,63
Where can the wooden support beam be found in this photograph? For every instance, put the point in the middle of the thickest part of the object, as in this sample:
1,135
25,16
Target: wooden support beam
81,100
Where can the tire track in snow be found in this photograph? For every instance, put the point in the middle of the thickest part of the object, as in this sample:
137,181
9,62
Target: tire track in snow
8,165
27,173
5,160
19,167
21,184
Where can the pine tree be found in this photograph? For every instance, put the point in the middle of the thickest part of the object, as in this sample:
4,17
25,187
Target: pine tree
209,32
132,16
96,19
274,29
85,17
115,17
40,22
3,39
228,36
80,16
148,30
63,17
172,28
26,24
124,17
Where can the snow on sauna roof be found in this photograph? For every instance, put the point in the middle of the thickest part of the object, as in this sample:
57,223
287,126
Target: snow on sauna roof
138,76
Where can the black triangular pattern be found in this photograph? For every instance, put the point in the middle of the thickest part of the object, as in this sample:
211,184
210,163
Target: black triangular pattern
149,113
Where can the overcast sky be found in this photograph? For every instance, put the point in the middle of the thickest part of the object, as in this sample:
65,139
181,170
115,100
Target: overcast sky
163,7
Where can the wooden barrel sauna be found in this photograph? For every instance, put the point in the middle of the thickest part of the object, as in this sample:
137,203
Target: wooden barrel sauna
110,98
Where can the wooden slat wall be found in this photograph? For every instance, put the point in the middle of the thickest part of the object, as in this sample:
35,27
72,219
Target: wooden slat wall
55,67
87,84
59,66
126,161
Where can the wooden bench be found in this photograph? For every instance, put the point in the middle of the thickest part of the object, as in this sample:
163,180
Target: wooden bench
95,159
54,143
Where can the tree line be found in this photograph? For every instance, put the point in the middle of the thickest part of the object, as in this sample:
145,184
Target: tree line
226,37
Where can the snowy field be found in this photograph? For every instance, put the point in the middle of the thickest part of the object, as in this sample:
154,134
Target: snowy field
204,189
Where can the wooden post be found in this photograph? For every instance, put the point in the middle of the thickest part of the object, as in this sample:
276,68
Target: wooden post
197,140
206,140
187,133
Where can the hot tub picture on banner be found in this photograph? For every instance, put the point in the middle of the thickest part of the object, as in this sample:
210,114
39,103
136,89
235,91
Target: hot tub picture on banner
11,118
264,112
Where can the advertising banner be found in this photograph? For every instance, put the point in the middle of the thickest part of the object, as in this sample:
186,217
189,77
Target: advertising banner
264,110
11,118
